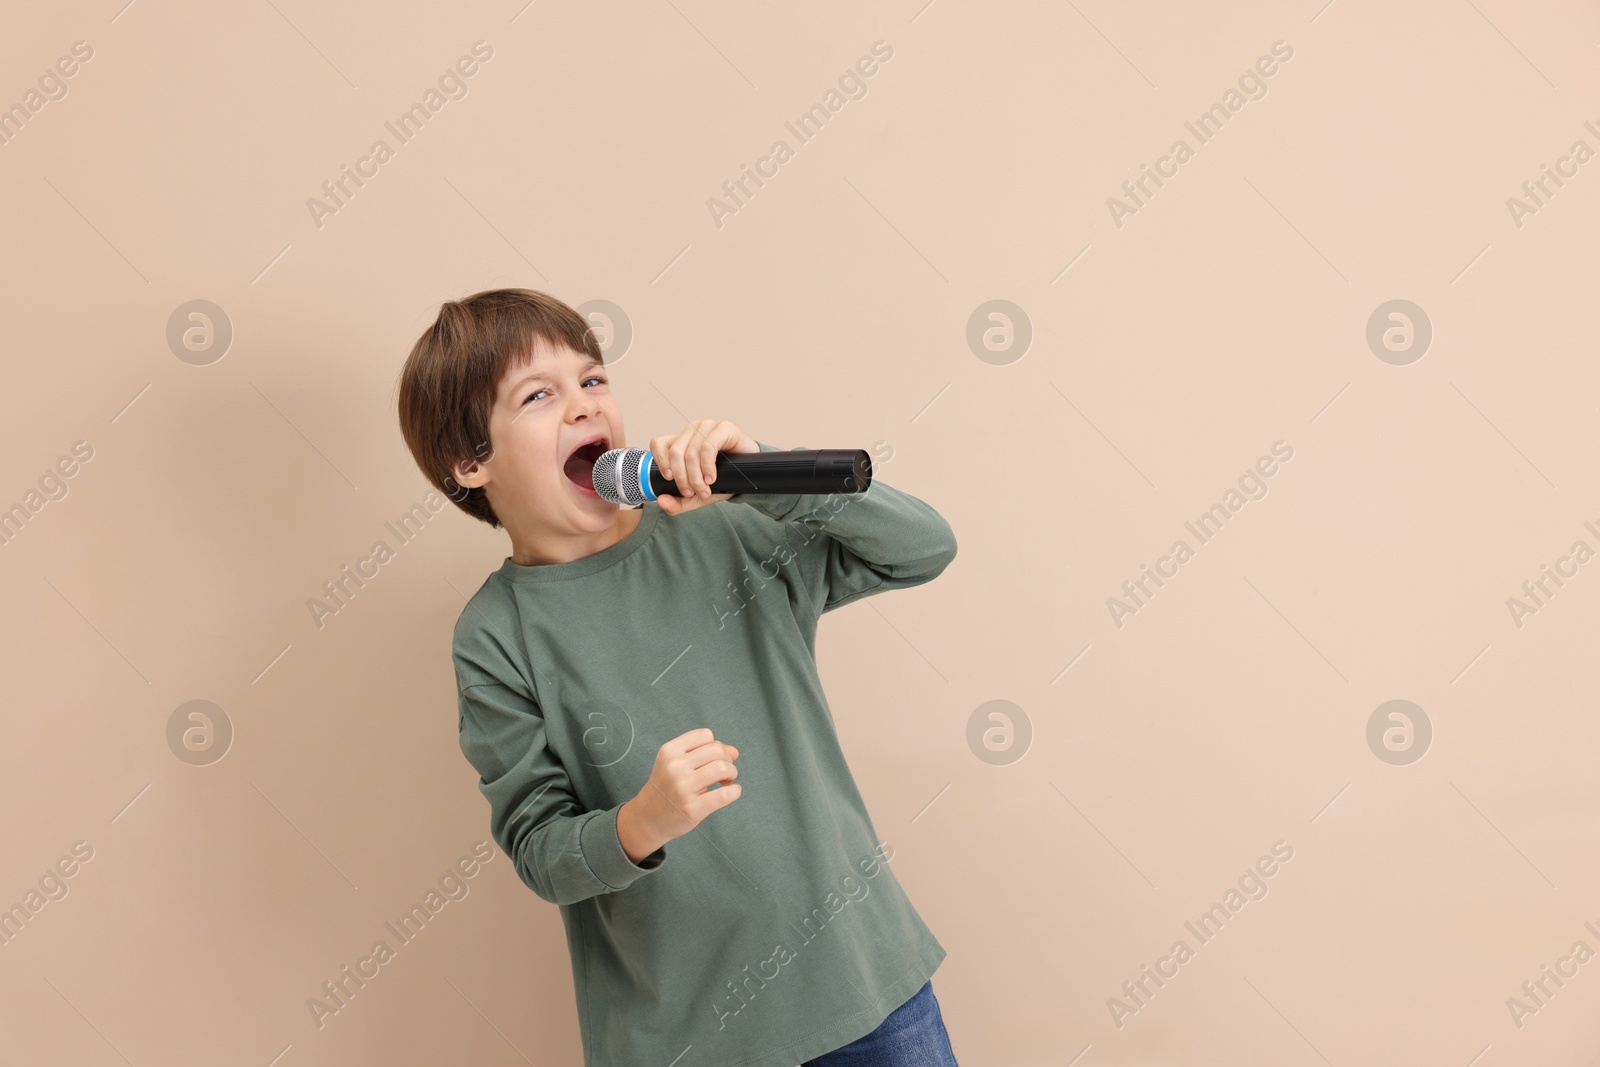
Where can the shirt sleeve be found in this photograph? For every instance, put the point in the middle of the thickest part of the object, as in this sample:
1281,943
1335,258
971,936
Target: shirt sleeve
852,545
561,852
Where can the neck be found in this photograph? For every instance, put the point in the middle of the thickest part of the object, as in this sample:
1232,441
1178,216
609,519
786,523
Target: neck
545,551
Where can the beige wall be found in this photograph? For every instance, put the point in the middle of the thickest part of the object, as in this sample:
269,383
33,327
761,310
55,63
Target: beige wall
1172,346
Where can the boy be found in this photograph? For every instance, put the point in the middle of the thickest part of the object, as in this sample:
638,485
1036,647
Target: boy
613,670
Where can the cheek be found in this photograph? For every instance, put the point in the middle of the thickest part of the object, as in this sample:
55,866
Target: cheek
542,462
535,458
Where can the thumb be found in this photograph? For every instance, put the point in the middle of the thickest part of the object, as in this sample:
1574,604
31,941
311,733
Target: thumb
680,504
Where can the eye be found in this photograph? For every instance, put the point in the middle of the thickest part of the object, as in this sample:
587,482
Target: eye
534,395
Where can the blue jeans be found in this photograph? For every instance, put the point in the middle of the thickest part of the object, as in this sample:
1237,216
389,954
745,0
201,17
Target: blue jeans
912,1036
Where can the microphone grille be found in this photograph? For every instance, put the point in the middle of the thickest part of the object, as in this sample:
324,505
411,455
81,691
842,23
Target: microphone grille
616,476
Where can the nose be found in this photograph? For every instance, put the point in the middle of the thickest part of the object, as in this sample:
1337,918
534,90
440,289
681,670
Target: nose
585,404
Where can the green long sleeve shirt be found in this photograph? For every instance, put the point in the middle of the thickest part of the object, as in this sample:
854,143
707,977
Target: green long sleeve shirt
774,931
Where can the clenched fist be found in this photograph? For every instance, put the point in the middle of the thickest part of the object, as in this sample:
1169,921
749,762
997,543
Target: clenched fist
678,794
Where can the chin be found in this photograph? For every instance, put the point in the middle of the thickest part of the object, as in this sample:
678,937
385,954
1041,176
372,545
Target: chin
588,503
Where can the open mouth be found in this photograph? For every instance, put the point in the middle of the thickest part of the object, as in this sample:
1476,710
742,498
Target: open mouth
579,467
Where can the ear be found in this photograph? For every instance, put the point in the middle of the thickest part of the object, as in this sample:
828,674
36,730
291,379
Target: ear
469,473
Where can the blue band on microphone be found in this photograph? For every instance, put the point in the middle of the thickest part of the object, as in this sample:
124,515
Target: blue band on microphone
644,476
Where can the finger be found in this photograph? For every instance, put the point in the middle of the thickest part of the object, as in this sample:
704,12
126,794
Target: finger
723,435
694,458
675,460
682,504
717,437
711,774
709,752
671,468
710,445
687,465
668,459
658,454
700,455
688,740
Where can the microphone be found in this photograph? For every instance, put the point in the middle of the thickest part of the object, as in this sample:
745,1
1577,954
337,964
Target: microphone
629,476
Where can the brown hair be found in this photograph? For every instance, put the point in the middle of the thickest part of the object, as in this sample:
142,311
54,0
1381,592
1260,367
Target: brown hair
450,379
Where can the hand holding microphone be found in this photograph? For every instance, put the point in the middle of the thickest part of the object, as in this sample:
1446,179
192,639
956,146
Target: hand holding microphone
688,458
682,467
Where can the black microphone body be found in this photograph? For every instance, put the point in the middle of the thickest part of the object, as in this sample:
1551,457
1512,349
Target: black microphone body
630,476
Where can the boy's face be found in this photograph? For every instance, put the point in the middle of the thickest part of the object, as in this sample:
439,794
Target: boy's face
536,474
